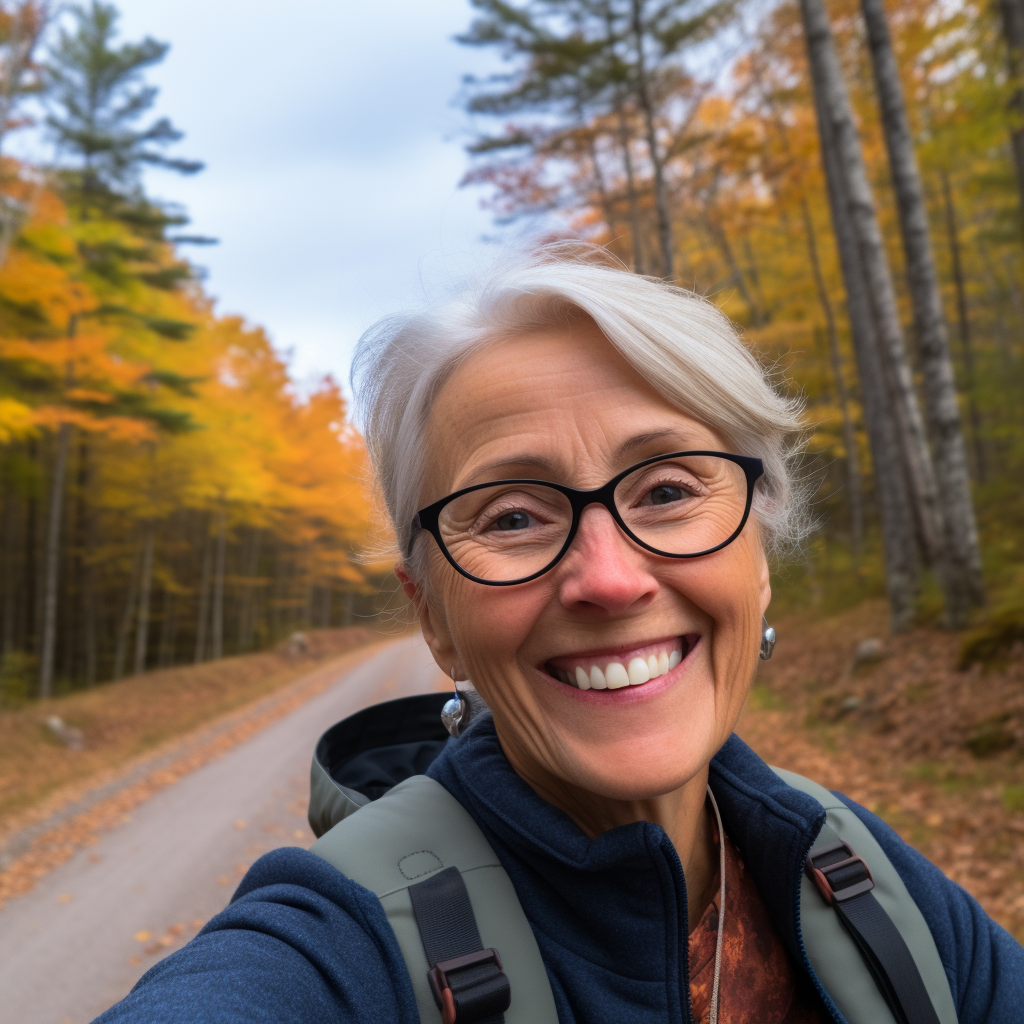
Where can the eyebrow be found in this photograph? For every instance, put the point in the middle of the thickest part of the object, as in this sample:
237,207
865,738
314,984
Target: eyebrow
525,461
640,441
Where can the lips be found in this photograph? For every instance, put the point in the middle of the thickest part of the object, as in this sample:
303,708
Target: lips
631,667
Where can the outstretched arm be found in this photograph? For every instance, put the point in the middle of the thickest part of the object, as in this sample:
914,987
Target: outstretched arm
298,943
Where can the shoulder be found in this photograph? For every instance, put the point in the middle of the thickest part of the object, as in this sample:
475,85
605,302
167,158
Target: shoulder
984,963
298,942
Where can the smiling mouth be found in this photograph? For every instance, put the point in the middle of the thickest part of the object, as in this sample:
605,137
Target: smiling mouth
625,668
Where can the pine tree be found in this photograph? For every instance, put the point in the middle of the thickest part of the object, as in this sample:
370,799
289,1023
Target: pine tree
96,97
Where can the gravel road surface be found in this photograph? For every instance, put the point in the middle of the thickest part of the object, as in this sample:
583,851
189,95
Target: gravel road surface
78,942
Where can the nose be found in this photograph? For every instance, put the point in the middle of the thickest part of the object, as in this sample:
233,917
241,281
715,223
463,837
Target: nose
604,570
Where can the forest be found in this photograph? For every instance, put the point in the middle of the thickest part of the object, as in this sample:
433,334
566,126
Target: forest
167,494
845,179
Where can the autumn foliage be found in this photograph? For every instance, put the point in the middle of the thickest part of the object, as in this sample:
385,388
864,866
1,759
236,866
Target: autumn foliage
164,484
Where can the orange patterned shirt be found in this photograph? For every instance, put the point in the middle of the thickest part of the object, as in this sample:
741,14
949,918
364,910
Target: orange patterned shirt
759,982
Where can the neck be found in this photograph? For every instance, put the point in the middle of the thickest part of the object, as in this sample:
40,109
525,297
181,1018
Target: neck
683,813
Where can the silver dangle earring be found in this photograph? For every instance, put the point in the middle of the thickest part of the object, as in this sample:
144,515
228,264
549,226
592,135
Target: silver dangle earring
455,713
767,640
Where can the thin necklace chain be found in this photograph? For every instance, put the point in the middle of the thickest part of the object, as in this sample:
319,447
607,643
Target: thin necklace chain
713,1018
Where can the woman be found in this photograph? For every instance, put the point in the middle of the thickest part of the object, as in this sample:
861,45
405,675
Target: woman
613,635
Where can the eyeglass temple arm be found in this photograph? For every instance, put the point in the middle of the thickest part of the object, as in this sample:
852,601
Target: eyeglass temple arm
414,529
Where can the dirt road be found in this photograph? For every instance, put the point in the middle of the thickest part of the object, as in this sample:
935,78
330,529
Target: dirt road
92,927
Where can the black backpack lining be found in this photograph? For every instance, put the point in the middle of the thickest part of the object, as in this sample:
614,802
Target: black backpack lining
381,746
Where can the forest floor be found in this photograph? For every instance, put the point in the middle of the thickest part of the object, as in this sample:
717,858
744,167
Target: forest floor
937,752
119,727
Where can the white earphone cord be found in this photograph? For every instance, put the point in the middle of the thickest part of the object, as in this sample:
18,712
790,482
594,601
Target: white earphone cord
713,1018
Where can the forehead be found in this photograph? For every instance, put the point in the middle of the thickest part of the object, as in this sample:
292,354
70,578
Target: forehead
558,403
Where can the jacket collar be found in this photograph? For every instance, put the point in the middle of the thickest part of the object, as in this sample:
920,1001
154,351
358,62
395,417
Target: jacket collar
618,902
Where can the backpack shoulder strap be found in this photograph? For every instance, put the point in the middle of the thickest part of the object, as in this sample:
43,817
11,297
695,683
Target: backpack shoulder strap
833,953
414,831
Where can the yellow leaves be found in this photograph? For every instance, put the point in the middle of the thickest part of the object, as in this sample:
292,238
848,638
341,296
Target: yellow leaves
16,420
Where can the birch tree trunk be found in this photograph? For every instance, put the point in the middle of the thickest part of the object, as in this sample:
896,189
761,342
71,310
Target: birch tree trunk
902,571
834,107
49,640
965,584
646,104
964,323
1013,32
145,590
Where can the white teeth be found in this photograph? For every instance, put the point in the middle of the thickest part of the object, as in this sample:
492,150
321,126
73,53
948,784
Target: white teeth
616,676
638,672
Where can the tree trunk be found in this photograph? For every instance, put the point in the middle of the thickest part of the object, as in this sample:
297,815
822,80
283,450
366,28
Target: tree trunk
964,584
1013,33
145,589
632,205
755,279
881,296
717,232
203,611
49,640
125,627
645,102
168,630
10,576
218,587
247,616
964,323
892,494
603,197
853,482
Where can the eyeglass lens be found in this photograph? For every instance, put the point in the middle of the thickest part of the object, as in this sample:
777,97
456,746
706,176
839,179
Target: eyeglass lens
679,506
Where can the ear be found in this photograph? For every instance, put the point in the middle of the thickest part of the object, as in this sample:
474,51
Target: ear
766,584
432,624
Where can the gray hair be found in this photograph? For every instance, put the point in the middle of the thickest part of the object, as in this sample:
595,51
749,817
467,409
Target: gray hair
681,343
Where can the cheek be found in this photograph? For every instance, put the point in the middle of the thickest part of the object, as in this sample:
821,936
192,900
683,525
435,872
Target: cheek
488,625
727,587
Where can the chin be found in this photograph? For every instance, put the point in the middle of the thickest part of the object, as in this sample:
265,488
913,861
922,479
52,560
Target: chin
633,770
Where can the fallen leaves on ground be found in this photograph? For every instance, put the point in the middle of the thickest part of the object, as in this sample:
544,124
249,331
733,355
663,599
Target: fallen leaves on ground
901,736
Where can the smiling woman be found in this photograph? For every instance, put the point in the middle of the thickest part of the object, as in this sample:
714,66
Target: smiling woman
585,471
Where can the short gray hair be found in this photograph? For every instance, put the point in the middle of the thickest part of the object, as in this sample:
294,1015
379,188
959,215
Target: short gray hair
681,343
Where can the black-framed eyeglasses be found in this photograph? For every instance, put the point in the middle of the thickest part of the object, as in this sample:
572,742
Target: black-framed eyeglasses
681,505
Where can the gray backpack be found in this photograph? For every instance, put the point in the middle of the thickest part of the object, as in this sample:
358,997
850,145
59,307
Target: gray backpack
412,844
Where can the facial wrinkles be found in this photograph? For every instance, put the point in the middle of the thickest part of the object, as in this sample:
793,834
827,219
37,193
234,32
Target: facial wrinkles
539,399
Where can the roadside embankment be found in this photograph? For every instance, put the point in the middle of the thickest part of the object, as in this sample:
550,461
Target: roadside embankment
112,725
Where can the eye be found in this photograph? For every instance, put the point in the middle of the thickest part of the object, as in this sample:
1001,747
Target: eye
517,520
664,494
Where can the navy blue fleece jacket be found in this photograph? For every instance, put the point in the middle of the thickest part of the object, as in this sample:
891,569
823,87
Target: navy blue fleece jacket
301,944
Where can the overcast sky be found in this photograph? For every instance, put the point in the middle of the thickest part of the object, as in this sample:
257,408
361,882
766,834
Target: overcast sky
333,154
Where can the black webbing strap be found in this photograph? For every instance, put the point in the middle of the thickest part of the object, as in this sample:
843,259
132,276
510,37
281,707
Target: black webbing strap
843,879
466,979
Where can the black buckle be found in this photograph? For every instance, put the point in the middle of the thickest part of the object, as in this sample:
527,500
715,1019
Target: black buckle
838,872
442,989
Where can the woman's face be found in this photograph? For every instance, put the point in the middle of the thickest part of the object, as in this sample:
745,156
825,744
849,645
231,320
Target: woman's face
563,405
